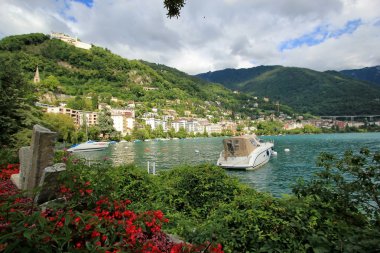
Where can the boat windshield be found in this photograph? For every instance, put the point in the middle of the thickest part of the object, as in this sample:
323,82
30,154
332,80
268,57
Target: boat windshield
255,142
239,146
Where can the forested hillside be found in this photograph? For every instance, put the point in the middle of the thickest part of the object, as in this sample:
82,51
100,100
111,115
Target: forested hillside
305,90
235,78
369,74
65,69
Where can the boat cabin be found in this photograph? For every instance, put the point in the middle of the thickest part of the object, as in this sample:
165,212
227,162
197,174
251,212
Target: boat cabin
240,145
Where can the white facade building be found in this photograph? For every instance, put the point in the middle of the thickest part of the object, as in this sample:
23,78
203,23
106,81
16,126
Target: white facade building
70,40
179,124
213,128
118,123
155,123
123,120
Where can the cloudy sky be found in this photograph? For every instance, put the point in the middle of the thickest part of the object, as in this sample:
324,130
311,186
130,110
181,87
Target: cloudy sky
213,34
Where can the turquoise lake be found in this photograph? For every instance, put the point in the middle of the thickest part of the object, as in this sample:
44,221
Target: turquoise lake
276,177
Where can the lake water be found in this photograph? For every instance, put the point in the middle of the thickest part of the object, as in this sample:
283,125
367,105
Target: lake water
276,176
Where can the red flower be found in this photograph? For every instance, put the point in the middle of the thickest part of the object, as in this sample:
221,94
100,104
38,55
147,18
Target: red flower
77,219
95,234
159,214
218,249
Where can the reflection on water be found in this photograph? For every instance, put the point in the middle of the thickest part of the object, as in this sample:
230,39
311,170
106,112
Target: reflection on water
276,177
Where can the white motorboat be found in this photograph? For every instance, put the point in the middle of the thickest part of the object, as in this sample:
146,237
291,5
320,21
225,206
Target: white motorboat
89,146
245,152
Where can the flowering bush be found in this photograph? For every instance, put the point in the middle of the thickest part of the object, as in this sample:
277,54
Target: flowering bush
81,222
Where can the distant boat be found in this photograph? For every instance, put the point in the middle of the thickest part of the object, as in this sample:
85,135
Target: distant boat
245,152
89,146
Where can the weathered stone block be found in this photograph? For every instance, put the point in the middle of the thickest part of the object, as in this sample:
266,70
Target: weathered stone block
49,185
24,155
42,155
15,178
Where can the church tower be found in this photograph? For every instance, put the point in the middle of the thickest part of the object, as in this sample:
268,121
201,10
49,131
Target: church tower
37,76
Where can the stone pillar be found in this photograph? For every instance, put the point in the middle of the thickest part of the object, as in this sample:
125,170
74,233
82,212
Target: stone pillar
24,155
49,183
41,154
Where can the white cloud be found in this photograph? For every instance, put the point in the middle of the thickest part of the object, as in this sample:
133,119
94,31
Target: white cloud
209,35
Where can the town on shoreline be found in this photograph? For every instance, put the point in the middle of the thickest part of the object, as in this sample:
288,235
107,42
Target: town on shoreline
166,123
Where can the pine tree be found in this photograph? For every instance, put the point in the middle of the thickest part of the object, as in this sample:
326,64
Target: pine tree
105,123
16,100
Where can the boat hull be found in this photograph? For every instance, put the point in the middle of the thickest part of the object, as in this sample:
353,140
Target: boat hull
89,146
257,158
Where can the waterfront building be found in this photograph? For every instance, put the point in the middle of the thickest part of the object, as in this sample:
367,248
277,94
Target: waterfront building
213,128
123,120
79,117
292,125
194,126
179,124
155,123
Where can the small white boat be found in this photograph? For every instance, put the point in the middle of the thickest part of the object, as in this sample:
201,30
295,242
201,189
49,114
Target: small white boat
89,146
245,152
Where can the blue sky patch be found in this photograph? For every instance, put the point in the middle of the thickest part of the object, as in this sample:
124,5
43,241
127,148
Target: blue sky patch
88,3
320,34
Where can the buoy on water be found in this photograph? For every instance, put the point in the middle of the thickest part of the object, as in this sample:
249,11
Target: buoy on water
274,153
286,150
196,151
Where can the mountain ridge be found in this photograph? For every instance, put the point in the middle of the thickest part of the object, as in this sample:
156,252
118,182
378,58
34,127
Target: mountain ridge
305,90
368,74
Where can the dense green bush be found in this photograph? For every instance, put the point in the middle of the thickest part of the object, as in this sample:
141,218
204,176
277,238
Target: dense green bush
337,211
196,190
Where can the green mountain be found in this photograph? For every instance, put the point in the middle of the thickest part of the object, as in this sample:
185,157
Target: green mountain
305,90
369,74
99,73
235,78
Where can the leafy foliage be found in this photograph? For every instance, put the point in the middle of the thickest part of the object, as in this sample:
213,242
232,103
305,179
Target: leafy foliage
338,211
174,7
61,123
16,101
82,221
105,123
351,184
17,42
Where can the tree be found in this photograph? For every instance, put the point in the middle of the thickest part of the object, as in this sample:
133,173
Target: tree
79,103
93,132
16,100
62,124
174,7
181,133
94,101
159,132
350,184
140,134
51,83
105,122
